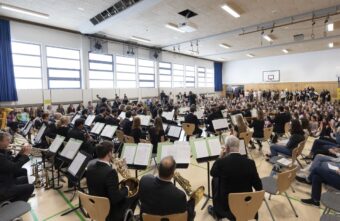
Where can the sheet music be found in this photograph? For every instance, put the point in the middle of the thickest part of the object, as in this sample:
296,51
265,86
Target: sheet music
242,148
224,113
109,131
183,152
169,115
283,142
253,113
284,161
71,148
129,153
220,124
183,110
89,120
28,128
165,126
168,150
201,149
199,114
97,128
77,116
76,164
55,145
40,133
122,115
174,131
214,146
144,119
143,153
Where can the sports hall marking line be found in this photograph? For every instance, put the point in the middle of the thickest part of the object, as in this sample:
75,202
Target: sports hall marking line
197,165
33,214
59,213
70,205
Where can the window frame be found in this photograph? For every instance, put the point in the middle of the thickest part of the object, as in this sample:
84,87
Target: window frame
97,70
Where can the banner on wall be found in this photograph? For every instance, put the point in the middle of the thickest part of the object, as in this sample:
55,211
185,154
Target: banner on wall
338,94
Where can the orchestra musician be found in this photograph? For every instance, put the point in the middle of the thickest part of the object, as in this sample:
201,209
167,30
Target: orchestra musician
192,119
14,184
78,132
232,173
159,196
126,124
156,134
103,181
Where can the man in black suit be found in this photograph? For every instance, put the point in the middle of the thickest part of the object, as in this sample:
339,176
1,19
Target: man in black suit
191,118
78,133
232,173
280,120
126,124
101,116
159,196
14,184
103,181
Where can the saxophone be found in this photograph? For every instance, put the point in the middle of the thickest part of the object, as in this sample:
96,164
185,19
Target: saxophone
131,182
185,184
38,179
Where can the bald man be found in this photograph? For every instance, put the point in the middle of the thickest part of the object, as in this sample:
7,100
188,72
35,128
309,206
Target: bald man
159,196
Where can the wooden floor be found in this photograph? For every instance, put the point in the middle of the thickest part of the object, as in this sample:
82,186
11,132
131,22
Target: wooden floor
50,204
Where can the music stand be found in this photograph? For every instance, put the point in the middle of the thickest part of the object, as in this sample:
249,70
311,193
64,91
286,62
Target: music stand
169,115
76,171
179,150
76,116
108,131
173,132
54,148
97,128
37,139
27,128
89,120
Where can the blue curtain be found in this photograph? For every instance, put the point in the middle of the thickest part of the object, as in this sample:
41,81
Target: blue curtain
8,90
218,76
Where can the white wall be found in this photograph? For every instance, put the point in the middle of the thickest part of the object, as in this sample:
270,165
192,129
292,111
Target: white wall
303,67
50,37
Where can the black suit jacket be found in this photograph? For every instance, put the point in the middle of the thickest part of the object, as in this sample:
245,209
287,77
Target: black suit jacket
9,167
159,197
258,126
99,118
102,181
232,174
192,119
279,122
126,125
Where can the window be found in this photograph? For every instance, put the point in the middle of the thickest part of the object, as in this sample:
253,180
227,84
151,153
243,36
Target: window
164,70
100,71
178,75
209,78
146,73
189,76
126,72
201,77
27,65
63,68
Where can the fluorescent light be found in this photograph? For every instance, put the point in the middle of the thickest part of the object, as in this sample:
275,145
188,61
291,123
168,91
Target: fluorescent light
330,27
140,39
230,10
285,51
223,45
174,27
24,11
268,38
250,55
331,44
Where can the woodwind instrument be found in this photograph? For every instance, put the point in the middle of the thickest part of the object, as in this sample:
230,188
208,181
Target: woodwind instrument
185,184
131,182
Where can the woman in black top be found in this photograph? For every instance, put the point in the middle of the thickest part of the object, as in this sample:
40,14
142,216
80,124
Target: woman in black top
62,126
258,125
136,131
156,133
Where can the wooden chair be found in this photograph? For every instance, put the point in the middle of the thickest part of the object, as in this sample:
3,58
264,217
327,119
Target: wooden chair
287,129
244,206
49,140
279,185
188,129
144,141
172,217
128,139
120,135
246,136
98,208
267,132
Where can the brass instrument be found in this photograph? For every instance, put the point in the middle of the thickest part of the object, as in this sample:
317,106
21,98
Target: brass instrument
38,183
131,182
185,184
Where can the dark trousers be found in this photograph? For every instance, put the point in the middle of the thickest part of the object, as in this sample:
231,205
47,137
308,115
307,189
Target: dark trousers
118,214
321,144
321,175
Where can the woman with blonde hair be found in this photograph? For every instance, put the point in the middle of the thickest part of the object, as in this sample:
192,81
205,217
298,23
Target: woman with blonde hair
240,126
62,126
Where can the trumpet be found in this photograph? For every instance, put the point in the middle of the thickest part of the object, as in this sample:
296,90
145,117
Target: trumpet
131,182
185,184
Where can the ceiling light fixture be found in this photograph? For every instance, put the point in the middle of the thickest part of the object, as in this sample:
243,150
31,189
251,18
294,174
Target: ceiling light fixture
250,55
173,27
24,11
285,51
330,27
140,39
230,10
223,45
331,45
268,38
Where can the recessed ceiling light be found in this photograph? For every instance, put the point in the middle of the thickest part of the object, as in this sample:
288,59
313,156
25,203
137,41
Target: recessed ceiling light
140,39
285,51
81,9
173,27
330,27
250,55
331,44
223,45
230,10
24,11
268,38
